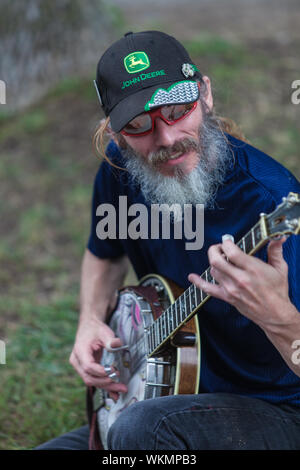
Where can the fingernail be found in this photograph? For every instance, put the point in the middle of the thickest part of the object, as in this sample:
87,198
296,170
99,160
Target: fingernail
227,236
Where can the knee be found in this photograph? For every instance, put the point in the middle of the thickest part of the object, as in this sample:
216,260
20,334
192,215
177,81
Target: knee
129,431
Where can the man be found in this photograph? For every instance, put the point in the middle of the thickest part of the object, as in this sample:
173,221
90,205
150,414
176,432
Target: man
174,150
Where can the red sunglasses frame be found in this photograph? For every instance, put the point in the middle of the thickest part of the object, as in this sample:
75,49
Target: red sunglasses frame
157,113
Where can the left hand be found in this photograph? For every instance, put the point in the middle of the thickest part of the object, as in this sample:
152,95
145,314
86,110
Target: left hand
257,289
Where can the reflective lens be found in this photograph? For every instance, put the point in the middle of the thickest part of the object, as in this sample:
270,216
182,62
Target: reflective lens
144,123
176,112
138,125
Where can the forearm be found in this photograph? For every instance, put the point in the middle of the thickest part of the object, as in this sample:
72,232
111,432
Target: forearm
259,291
286,338
100,278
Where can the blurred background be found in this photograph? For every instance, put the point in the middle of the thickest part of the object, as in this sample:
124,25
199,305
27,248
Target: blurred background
48,56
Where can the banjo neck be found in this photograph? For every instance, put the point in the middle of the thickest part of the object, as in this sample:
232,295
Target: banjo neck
285,220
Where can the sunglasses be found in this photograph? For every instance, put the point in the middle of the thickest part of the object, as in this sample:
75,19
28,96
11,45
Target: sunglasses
144,123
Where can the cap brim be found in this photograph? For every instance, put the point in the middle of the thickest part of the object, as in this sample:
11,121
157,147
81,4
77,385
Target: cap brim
150,98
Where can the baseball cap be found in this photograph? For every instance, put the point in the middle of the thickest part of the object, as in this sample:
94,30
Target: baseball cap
142,71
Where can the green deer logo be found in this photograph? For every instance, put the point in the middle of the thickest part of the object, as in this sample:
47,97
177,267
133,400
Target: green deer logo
136,62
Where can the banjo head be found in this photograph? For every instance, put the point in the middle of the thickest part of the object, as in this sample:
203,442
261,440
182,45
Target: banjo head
132,315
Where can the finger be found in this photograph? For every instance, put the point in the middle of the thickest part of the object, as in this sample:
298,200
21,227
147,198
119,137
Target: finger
217,275
208,287
104,382
275,254
89,357
116,388
220,261
235,255
114,396
86,362
113,343
107,384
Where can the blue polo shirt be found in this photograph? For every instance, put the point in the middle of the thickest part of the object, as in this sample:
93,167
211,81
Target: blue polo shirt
236,355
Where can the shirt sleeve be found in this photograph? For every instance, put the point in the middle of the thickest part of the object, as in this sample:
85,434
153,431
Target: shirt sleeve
105,191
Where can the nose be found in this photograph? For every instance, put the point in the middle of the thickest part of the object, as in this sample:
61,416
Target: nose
164,134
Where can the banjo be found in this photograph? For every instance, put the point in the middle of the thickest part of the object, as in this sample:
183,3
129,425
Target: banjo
156,323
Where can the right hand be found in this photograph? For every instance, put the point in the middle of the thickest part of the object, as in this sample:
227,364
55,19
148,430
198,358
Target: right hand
92,336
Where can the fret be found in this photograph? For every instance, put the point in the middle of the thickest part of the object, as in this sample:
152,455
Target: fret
163,326
148,340
182,297
192,297
248,243
158,340
209,276
168,326
168,331
177,313
258,235
160,330
172,322
195,292
253,239
192,294
243,245
151,338
184,306
154,339
163,321
171,318
180,310
187,310
174,315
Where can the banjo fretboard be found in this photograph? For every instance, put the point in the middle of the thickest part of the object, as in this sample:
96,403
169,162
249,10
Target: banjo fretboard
186,305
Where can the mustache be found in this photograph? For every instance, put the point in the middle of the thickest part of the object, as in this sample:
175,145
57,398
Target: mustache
180,147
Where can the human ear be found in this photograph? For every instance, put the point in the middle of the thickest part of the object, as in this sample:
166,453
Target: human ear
207,97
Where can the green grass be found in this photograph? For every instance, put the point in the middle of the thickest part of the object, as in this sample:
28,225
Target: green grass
44,212
76,86
208,45
40,394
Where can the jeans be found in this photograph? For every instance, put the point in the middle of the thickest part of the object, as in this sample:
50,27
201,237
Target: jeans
214,421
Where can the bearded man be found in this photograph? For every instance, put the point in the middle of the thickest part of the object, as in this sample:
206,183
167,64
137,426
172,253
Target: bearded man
168,147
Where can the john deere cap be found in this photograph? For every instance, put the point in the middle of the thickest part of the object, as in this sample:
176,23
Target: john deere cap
142,71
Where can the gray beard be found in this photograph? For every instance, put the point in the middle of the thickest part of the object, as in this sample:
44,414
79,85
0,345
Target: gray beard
197,187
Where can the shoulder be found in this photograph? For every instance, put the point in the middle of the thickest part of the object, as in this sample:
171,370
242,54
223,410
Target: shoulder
112,176
114,163
265,172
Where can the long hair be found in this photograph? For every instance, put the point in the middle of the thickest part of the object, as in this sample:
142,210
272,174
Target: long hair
225,125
